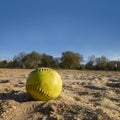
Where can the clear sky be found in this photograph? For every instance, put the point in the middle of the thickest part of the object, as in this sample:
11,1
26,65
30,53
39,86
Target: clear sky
89,27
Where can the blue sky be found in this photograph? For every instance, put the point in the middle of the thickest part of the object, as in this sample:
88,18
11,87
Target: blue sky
89,27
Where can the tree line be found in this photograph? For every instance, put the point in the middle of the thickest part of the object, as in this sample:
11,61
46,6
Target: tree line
68,60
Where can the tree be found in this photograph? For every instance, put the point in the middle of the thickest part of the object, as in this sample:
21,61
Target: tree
10,64
101,63
90,63
56,62
3,64
71,60
17,60
32,60
46,60
19,56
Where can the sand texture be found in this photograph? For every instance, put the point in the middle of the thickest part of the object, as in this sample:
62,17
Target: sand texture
86,95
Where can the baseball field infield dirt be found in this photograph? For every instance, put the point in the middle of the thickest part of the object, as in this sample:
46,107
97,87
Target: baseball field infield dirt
86,95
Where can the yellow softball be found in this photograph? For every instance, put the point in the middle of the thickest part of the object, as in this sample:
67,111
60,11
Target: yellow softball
44,84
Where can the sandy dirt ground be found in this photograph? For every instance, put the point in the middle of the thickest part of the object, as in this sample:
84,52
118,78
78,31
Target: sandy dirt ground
86,95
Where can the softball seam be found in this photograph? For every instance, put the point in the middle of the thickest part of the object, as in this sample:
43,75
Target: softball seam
42,69
39,90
